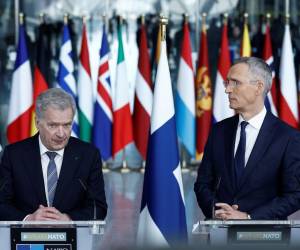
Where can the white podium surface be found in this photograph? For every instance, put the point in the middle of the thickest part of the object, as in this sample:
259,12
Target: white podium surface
88,233
218,232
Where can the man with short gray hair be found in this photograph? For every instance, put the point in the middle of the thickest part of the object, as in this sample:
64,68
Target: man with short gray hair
251,163
52,176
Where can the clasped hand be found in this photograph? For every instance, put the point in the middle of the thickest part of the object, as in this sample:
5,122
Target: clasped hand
227,212
47,214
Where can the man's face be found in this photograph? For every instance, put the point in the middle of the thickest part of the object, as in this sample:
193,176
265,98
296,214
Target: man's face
243,91
55,128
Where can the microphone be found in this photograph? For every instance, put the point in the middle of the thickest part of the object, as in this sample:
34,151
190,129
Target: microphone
3,184
84,186
217,186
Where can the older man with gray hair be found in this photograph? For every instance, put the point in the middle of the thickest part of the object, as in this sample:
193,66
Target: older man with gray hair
52,176
251,163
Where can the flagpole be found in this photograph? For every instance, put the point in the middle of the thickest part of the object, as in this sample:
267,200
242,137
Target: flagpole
287,8
268,17
66,18
144,161
17,20
225,18
124,168
182,149
124,164
42,18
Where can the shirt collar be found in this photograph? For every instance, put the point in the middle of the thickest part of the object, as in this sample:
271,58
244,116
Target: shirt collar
257,120
43,149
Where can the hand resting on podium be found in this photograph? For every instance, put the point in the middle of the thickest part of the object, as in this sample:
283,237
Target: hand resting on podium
227,212
47,214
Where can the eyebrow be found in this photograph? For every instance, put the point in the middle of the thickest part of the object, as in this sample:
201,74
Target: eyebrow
234,79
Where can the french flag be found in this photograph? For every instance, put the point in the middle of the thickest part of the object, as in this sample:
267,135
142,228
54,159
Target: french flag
103,110
20,104
162,219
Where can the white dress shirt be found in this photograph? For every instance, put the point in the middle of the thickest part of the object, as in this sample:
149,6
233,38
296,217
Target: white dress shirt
252,130
45,161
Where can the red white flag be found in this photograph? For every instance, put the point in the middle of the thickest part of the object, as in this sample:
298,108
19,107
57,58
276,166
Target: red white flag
221,109
143,97
288,105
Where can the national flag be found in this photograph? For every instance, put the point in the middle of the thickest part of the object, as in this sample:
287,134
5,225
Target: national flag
122,126
185,96
20,103
271,100
41,69
162,220
143,96
103,109
203,96
245,49
221,109
85,90
65,77
288,105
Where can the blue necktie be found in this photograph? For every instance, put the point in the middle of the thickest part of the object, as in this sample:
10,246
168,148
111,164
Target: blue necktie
239,159
51,177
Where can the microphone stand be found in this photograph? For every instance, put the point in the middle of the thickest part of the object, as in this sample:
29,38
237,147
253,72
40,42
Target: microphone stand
95,230
214,197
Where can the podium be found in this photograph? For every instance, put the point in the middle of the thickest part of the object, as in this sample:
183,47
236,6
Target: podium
42,235
246,232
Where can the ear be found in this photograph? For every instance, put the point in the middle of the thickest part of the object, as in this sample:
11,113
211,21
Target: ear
260,88
36,121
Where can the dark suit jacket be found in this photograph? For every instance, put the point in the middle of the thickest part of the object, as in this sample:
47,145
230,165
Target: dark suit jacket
270,185
22,184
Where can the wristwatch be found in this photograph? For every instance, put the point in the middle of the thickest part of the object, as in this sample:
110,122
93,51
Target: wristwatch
248,217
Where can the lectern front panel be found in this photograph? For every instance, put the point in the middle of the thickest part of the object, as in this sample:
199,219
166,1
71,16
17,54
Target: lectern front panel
23,238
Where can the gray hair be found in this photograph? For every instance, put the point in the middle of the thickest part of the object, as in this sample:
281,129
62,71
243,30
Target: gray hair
56,98
259,69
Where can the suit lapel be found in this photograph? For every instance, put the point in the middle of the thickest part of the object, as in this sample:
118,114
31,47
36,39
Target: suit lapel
229,134
262,142
71,160
32,162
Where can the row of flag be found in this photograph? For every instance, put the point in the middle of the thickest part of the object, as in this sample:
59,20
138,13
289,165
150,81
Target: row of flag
105,121
105,118
162,219
156,121
210,108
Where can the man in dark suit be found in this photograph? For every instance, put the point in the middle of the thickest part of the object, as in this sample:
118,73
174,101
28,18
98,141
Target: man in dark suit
52,176
251,163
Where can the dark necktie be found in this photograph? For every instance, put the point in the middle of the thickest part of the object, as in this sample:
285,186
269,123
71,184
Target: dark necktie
239,159
51,177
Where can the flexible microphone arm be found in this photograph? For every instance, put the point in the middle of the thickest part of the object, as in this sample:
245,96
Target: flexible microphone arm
88,191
